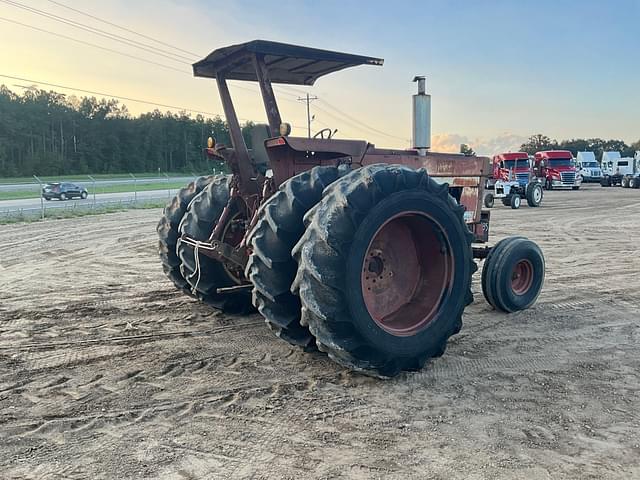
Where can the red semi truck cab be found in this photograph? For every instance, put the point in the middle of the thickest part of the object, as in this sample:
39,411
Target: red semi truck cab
515,163
557,169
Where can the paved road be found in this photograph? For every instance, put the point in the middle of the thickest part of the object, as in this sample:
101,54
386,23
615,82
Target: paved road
12,187
102,198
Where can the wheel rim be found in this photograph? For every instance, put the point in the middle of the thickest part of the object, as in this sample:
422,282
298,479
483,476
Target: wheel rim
407,271
232,234
537,194
522,277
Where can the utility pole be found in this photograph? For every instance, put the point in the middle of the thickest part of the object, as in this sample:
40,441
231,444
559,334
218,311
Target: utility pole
308,99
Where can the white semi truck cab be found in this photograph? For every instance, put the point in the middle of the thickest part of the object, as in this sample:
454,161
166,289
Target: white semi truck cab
588,167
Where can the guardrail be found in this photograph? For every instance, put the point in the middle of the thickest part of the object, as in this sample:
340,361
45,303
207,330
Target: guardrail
69,209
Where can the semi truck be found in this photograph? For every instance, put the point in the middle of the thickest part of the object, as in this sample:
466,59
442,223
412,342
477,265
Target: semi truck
588,167
556,169
622,171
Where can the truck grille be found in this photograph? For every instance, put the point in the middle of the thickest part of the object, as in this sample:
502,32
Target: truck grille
522,178
568,178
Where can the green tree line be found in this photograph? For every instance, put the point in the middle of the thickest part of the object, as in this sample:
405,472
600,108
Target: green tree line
539,142
48,133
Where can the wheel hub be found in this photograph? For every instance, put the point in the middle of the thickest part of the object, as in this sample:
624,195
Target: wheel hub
522,277
406,271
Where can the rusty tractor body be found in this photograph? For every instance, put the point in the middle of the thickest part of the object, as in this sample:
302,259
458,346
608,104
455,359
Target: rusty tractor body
361,252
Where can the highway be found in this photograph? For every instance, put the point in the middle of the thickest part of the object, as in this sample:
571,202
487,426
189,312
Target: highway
29,204
12,187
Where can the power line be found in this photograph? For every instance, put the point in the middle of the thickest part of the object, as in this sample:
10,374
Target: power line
121,97
358,125
354,122
123,28
280,90
102,33
66,37
92,44
353,119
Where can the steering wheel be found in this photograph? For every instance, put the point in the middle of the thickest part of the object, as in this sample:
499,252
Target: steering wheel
321,133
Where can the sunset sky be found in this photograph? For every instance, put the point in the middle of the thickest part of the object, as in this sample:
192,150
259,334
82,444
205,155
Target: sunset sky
498,71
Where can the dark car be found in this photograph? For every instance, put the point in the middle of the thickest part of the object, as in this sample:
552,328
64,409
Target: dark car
63,191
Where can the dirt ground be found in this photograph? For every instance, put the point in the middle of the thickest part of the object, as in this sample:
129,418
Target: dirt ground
107,372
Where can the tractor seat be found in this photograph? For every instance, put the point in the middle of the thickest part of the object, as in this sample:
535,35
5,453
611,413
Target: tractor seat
259,133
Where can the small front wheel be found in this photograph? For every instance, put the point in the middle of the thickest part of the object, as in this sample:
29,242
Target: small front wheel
489,200
515,201
513,274
83,195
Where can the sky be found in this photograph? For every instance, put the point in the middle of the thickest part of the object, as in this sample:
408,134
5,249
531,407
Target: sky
498,71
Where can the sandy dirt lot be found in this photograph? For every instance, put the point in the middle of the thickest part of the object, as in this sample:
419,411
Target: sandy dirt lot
107,372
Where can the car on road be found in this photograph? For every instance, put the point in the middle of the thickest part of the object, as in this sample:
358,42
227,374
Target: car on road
63,191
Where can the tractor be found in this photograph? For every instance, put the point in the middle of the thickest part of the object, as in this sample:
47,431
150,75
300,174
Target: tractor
512,181
360,252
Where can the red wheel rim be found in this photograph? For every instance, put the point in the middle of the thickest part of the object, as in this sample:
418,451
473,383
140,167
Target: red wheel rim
522,277
407,271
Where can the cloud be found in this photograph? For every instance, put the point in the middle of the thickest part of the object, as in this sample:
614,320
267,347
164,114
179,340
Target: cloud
450,142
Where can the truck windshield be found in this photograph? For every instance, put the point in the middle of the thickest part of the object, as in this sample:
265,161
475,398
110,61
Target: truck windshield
589,164
560,162
509,164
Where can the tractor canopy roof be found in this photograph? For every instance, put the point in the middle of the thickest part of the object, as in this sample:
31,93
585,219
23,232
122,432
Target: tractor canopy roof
285,63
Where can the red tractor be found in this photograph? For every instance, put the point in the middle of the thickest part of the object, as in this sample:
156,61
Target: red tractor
361,252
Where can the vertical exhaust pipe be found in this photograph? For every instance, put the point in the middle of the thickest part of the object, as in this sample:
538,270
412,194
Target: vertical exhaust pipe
421,134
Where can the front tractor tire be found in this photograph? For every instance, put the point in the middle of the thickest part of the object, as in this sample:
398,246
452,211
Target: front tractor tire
168,231
515,201
513,274
489,200
384,269
203,274
271,268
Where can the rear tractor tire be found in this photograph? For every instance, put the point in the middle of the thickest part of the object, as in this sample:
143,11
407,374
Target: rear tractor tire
513,274
168,231
203,274
624,183
384,269
271,268
534,194
634,182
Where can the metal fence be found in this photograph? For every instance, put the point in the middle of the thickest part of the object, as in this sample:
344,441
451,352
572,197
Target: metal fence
22,199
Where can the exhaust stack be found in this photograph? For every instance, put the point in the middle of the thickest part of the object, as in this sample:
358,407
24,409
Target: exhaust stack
421,134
